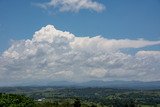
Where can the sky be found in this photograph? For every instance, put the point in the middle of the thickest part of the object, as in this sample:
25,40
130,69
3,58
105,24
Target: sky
79,40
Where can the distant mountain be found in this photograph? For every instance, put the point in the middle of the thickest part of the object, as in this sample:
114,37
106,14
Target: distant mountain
95,83
60,83
108,84
122,84
53,83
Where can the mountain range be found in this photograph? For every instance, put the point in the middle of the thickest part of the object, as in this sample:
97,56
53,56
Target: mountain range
105,84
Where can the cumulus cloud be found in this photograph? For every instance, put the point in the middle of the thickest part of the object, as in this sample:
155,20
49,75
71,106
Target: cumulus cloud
59,55
72,5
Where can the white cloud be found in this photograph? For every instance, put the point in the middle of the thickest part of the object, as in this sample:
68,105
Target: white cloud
148,53
73,5
56,55
109,44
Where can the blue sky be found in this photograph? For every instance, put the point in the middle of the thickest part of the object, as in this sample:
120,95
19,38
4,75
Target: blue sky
79,40
131,19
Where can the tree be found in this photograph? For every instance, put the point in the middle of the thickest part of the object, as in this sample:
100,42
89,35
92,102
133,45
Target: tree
77,103
93,105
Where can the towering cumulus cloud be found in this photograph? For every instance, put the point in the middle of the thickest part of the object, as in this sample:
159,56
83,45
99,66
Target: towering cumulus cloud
53,55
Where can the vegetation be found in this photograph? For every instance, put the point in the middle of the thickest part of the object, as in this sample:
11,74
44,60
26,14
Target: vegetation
13,100
77,97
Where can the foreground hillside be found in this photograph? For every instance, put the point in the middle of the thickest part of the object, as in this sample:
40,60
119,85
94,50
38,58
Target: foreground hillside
13,100
76,97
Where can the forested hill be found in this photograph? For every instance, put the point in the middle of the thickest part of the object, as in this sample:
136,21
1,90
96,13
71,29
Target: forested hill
61,96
